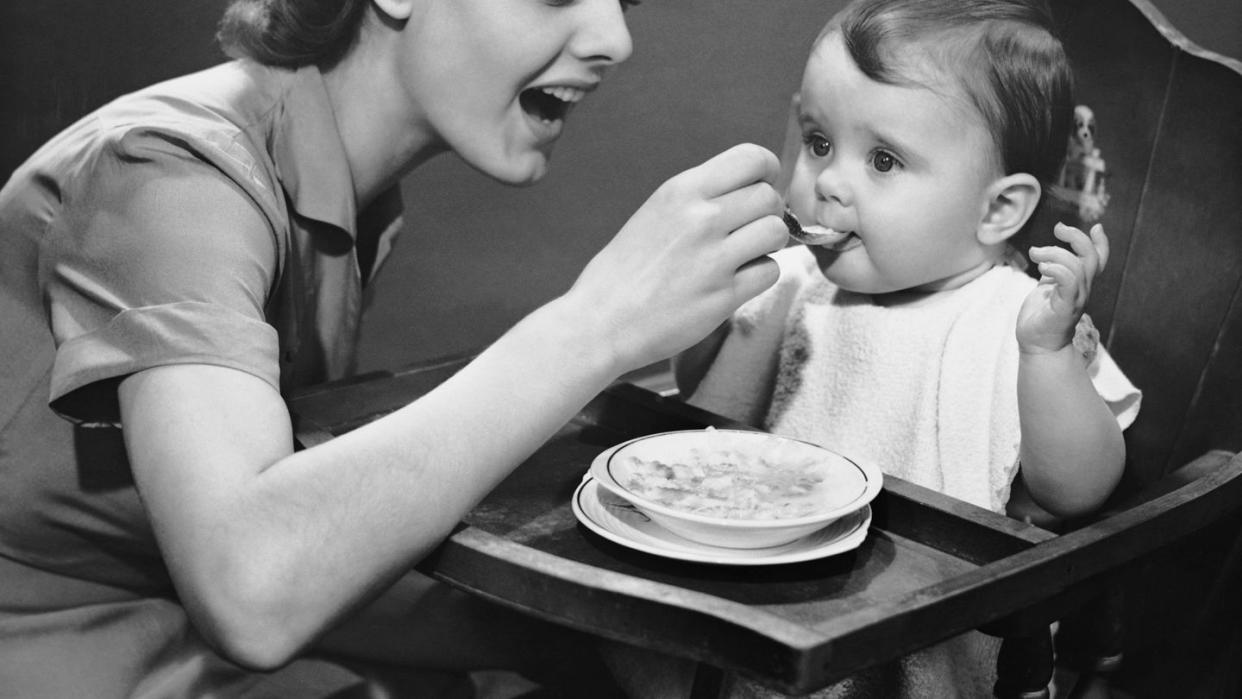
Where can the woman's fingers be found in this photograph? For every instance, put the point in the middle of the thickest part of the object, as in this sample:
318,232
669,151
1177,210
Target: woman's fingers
734,169
689,256
756,239
753,278
748,247
748,204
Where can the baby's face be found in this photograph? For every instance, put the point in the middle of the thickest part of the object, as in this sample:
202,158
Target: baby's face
903,173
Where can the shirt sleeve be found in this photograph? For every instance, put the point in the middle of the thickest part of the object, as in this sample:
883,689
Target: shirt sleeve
157,258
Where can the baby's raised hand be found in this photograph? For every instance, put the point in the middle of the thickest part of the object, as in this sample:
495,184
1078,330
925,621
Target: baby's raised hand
1051,312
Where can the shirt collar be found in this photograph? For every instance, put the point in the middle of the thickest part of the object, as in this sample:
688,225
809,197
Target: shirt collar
309,156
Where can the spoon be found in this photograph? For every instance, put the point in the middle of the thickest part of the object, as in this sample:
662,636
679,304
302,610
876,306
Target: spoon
798,233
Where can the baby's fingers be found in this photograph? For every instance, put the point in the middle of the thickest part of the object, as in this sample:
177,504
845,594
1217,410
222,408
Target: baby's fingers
1082,245
1067,259
1100,241
1065,269
1064,280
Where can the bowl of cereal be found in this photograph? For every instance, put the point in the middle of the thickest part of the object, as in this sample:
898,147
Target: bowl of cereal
735,488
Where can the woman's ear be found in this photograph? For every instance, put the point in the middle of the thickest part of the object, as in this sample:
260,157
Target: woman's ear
398,10
1011,201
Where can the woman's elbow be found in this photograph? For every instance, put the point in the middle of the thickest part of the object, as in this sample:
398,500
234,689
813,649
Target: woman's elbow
249,623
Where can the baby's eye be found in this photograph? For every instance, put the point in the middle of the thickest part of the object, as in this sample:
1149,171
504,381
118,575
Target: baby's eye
883,161
818,144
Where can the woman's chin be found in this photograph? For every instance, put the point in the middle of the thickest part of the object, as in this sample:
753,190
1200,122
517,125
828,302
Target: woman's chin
517,171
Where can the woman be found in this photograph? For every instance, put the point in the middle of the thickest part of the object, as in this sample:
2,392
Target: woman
177,260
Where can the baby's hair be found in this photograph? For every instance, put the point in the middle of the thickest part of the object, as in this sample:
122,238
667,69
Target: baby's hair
1006,57
291,33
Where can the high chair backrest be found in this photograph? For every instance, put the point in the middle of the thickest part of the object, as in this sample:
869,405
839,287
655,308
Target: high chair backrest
1166,183
1157,159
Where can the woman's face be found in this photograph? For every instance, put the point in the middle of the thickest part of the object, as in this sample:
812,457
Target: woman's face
494,80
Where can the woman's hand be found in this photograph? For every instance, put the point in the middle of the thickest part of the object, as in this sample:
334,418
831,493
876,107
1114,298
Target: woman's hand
692,254
1051,312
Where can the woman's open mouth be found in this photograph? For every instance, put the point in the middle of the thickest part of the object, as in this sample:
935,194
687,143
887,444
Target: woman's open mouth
550,105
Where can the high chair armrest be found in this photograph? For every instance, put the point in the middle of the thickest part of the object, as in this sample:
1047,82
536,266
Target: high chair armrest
1095,558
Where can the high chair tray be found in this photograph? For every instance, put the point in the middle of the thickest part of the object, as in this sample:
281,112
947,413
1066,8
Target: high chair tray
929,567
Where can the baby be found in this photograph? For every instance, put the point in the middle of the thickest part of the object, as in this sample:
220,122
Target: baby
909,334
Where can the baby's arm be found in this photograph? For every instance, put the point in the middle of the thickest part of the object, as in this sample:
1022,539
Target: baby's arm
691,365
733,370
729,376
1072,452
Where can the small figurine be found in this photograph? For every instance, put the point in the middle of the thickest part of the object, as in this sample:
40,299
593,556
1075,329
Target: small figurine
1081,182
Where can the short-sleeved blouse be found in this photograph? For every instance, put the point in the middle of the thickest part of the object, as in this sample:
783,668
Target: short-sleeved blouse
208,219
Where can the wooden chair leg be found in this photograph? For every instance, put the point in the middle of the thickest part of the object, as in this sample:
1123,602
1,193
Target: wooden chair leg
1024,666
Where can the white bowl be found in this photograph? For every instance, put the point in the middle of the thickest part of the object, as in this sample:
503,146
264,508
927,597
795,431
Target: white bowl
735,488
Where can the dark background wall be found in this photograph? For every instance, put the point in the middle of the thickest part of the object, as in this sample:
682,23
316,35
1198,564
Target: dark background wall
476,256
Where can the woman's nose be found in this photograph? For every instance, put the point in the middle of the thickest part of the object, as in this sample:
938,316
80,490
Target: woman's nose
603,35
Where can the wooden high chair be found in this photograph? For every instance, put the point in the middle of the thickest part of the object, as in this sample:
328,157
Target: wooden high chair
1147,590
1156,157
1159,163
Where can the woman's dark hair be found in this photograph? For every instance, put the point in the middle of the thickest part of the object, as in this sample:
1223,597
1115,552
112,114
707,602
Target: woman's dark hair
291,33
1005,53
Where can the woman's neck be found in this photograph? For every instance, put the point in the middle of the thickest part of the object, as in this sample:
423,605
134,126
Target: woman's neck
384,135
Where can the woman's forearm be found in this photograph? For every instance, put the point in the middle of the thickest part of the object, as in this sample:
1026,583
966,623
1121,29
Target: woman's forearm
269,550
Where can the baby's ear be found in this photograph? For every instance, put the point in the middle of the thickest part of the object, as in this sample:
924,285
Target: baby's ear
1011,201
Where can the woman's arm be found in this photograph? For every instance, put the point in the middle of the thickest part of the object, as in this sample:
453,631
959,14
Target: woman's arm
268,547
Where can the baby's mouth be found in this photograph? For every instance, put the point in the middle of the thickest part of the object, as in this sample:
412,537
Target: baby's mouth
820,236
550,104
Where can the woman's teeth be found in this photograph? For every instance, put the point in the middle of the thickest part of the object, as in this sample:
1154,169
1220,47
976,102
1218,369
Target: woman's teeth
564,94
552,103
